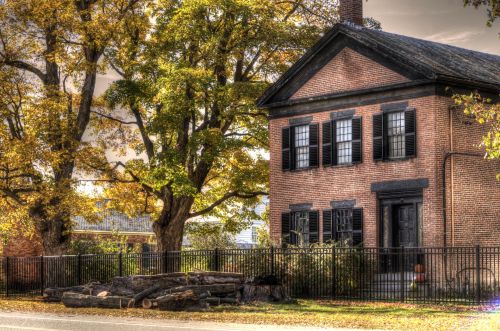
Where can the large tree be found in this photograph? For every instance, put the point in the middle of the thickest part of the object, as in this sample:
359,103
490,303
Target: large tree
50,54
190,86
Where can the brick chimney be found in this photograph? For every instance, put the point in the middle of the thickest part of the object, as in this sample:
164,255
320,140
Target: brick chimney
351,11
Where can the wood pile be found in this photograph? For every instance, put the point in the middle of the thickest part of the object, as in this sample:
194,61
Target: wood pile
170,291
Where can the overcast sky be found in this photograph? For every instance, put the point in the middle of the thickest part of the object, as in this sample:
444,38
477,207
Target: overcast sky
445,21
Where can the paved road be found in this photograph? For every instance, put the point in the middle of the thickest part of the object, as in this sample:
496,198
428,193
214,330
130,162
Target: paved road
51,322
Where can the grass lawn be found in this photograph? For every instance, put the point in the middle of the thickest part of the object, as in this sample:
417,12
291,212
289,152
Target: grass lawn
391,316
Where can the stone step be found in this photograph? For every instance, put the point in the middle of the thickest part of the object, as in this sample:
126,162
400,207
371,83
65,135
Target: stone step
394,277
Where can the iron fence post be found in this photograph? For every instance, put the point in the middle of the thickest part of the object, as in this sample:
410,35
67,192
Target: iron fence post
79,269
272,261
120,264
402,273
334,273
216,260
42,275
478,275
7,276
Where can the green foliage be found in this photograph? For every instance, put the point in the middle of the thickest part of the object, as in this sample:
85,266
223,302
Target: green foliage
492,5
100,244
208,236
487,113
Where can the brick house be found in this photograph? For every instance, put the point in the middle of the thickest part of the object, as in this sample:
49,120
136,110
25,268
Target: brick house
366,145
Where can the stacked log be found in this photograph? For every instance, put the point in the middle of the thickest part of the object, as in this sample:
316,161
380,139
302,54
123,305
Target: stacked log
172,291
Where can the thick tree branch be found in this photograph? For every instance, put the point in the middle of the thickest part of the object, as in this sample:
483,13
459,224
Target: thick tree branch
227,196
112,118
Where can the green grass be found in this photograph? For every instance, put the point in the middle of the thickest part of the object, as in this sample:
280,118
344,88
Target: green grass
393,316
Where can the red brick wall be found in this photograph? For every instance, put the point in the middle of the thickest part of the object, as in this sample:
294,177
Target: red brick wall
351,11
322,185
347,71
22,246
474,211
475,215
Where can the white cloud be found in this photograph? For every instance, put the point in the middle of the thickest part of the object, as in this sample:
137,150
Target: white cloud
453,37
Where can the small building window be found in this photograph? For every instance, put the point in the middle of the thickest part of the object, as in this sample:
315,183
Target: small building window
396,134
344,141
254,234
301,146
301,227
343,222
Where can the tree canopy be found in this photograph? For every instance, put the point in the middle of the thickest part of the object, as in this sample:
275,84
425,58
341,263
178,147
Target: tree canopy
190,84
50,54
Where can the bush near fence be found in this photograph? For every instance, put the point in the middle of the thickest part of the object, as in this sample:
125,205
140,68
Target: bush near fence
463,275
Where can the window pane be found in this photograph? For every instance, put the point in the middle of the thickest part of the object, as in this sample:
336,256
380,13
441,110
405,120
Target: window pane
302,146
343,221
395,134
301,220
344,144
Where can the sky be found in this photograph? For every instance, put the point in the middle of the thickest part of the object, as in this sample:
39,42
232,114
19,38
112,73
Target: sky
444,21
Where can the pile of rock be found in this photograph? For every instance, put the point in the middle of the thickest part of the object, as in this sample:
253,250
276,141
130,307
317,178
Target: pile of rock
171,291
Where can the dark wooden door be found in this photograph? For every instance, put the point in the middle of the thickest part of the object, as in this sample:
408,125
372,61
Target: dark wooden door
407,226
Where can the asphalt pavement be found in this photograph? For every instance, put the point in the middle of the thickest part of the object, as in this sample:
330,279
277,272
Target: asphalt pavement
10,321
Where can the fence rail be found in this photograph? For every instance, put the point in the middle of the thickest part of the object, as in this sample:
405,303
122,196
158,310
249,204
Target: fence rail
468,275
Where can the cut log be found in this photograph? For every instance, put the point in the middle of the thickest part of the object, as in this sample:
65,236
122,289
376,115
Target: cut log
78,300
54,294
141,295
212,277
103,294
177,301
214,289
138,284
149,303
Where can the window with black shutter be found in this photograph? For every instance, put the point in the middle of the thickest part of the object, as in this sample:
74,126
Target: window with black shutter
347,226
300,228
285,228
313,227
394,135
300,147
342,141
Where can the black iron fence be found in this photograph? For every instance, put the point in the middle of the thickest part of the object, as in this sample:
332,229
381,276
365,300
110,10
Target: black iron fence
467,275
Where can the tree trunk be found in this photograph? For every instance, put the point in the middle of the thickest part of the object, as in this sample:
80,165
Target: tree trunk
54,232
169,228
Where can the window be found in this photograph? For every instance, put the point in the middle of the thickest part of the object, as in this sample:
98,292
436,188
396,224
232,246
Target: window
301,146
254,234
344,141
396,134
343,223
341,143
301,227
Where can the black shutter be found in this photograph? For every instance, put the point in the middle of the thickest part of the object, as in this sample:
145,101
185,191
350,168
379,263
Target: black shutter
285,149
285,228
357,152
410,133
357,226
327,143
314,145
378,137
327,226
313,227
294,237
335,157
334,225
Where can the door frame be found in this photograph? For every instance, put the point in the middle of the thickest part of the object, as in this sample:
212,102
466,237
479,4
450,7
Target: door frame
389,202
